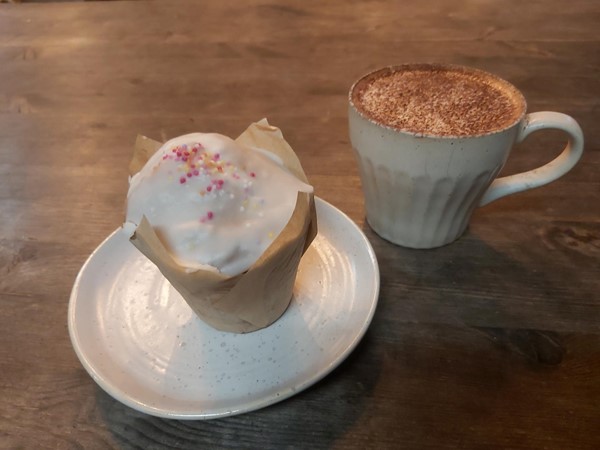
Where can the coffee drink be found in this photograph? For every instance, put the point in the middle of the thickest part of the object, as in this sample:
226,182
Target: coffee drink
437,100
430,141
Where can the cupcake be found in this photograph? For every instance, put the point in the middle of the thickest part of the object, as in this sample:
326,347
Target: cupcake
226,222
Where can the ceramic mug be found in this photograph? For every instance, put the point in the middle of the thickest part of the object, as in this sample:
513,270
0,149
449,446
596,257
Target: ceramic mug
420,190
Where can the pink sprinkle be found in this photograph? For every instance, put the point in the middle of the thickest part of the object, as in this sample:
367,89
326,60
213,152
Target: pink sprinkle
196,172
210,215
220,182
182,180
216,157
178,153
252,174
165,156
195,150
193,166
189,174
174,150
186,153
209,188
184,158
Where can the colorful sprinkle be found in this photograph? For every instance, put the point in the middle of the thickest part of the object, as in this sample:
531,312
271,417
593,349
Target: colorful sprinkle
208,216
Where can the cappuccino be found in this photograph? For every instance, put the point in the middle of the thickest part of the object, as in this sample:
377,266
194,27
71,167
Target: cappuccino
436,100
430,141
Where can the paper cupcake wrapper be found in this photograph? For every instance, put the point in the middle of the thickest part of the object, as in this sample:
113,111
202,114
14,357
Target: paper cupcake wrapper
258,297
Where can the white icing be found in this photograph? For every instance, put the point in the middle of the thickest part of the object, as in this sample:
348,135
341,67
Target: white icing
223,211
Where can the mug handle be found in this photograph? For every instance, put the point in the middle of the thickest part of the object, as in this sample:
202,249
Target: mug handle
549,172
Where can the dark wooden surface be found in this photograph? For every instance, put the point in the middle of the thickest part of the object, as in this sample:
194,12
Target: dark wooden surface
491,342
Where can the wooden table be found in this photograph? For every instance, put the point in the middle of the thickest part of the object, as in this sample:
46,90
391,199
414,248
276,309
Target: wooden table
491,342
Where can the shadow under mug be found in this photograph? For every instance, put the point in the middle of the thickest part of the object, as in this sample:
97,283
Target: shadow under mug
421,190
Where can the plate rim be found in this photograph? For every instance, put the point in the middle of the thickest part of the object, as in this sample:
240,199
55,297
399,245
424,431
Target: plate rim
277,396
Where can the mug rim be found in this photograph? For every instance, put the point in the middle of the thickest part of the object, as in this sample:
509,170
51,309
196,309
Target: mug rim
450,67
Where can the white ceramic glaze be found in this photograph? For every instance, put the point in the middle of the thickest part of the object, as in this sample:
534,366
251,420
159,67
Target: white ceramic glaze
143,345
548,172
420,191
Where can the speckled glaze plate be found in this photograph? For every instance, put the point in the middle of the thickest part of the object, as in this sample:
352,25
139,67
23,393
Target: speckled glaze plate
143,345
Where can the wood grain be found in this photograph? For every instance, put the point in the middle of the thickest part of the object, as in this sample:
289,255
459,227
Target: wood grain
491,342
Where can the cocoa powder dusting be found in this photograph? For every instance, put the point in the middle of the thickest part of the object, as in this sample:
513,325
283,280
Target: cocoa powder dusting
438,101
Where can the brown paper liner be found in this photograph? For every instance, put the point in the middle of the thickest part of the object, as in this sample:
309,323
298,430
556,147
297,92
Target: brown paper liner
259,296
